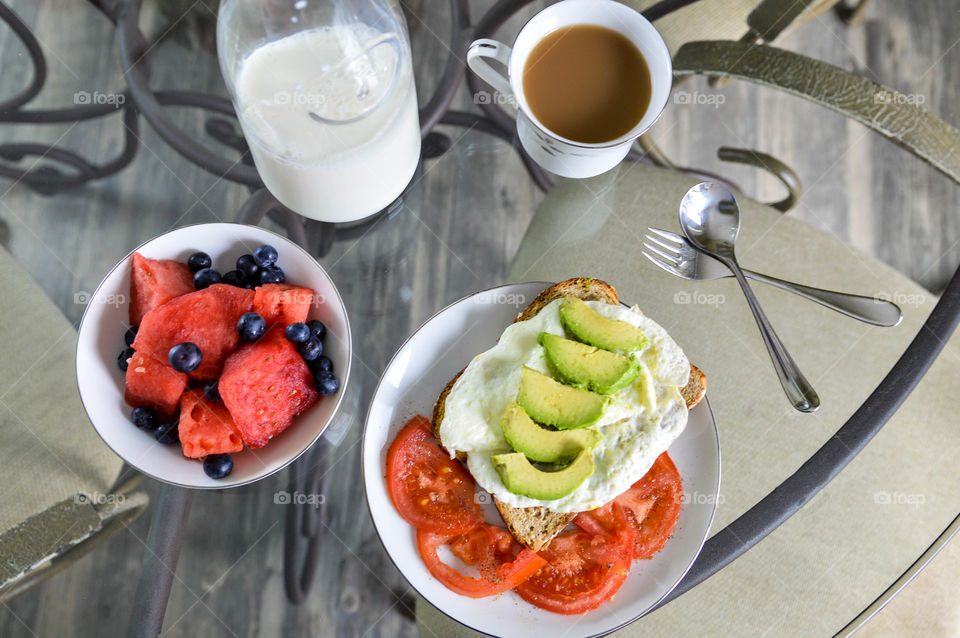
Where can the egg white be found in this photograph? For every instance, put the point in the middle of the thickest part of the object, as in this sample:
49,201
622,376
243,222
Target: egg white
640,423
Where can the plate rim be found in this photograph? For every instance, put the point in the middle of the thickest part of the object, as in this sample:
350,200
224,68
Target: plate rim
363,462
308,447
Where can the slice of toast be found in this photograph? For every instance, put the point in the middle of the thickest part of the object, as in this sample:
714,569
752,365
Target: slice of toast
696,387
535,527
585,288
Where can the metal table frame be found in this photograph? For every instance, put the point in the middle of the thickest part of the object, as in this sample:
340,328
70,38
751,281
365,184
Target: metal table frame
172,510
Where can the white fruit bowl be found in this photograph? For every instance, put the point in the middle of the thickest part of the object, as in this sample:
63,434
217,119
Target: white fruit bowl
100,340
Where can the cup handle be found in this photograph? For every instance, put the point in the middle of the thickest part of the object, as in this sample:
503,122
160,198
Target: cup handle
486,48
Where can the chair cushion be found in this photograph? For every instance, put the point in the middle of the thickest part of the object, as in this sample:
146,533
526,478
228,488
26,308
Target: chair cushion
48,450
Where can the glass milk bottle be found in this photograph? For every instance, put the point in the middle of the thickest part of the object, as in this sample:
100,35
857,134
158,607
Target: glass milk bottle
325,95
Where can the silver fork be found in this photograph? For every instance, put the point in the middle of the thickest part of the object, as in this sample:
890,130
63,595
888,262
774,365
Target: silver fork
676,255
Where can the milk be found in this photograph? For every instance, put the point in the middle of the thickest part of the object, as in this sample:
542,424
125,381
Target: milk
339,171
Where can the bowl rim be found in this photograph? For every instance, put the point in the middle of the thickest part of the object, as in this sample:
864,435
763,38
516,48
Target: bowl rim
344,378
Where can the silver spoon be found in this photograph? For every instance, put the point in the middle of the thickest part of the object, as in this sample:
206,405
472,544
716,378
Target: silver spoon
710,218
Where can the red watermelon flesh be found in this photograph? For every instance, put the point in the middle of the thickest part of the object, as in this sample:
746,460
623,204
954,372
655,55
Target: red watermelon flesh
205,317
282,303
155,282
265,385
206,427
153,383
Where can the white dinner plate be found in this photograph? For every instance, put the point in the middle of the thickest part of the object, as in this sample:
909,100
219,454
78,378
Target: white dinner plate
414,378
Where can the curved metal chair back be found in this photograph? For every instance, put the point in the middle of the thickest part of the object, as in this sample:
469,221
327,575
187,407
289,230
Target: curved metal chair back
892,115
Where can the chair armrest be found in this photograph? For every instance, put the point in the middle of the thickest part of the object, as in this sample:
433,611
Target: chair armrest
57,537
886,111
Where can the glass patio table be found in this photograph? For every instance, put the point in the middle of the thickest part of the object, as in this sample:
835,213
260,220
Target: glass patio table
454,231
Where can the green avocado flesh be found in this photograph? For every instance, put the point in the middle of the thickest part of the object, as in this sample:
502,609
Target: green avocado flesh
585,366
553,403
521,477
589,326
540,444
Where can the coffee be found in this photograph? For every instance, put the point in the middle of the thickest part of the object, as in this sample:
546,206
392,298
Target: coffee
587,83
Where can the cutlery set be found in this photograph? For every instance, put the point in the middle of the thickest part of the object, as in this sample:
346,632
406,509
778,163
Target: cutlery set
710,221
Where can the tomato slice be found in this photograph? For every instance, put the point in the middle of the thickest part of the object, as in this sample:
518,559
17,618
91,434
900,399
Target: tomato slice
652,505
584,570
491,549
612,517
430,490
484,542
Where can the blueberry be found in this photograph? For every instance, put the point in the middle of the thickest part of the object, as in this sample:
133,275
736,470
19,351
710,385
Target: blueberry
185,357
251,326
144,418
320,365
212,391
326,384
233,278
317,328
123,357
205,277
265,256
272,275
218,466
168,433
130,335
298,332
310,349
199,261
248,267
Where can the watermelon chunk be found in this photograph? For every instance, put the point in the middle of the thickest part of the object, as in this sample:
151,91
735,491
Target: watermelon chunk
206,427
205,317
153,383
282,303
265,385
155,282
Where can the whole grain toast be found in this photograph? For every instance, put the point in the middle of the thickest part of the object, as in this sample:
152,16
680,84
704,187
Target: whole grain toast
696,387
535,527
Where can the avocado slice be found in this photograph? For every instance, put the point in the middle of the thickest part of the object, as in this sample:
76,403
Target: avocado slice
585,366
521,477
589,326
541,444
552,403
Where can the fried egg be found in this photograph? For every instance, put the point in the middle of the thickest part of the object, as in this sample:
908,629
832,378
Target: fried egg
639,424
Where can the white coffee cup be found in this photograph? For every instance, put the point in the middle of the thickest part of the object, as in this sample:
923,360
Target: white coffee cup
553,152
